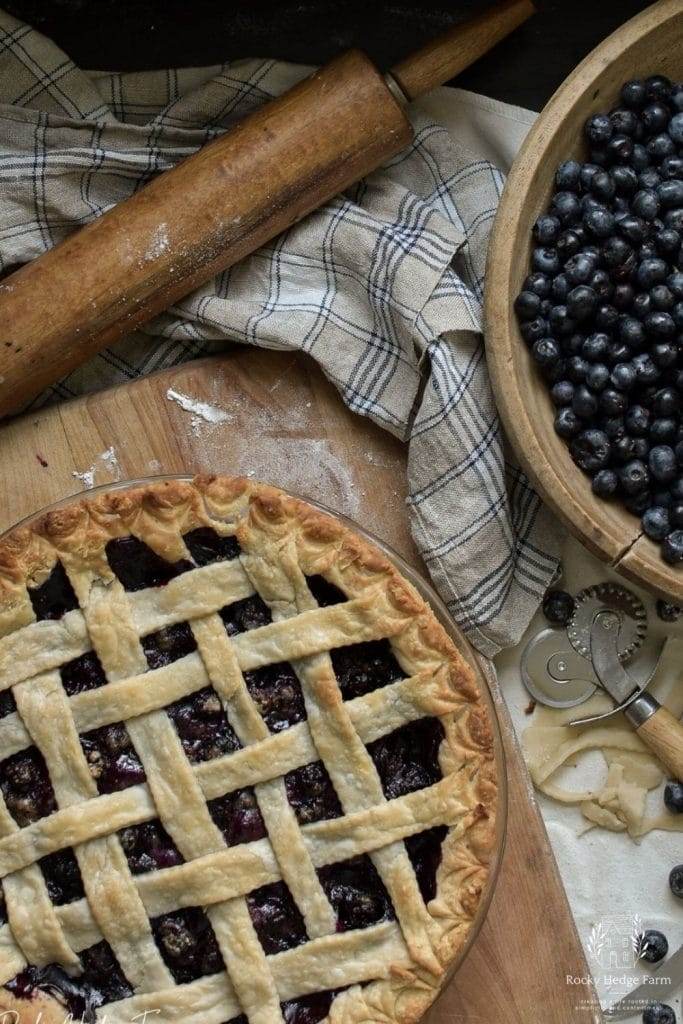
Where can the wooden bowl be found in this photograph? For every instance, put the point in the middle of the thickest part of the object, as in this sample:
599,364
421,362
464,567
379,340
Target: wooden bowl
650,43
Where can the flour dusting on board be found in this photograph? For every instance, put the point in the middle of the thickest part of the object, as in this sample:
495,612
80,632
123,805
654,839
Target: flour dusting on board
104,461
200,410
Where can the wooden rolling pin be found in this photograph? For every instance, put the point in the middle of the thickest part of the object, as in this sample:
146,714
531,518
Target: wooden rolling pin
211,210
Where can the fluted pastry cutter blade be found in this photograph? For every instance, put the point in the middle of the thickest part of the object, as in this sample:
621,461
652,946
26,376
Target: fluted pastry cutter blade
611,597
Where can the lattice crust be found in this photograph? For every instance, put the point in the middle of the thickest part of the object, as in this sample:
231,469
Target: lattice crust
388,970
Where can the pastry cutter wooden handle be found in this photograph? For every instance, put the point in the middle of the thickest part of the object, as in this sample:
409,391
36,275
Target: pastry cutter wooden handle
235,194
655,725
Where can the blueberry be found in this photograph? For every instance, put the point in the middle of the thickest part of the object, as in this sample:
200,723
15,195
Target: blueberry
661,297
537,283
613,427
591,450
658,1013
558,607
662,463
653,946
646,369
533,330
672,548
676,129
638,504
546,351
634,477
633,94
622,293
546,259
667,242
660,146
616,252
637,420
632,332
671,167
649,178
640,157
527,305
655,523
601,284
676,514
579,269
602,185
562,393
567,423
584,402
566,207
676,96
567,175
569,242
605,483
623,376
561,323
546,229
651,272
668,612
673,791
606,317
595,347
663,430
675,283
599,221
577,368
654,117
625,180
559,289
633,229
670,193
665,353
660,325
612,402
645,204
598,129
620,148
596,379
581,302
676,881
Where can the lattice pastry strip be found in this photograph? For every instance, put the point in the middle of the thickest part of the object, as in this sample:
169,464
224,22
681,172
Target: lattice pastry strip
343,753
178,798
110,889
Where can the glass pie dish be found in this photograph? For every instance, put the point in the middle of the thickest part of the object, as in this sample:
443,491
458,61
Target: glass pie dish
168,599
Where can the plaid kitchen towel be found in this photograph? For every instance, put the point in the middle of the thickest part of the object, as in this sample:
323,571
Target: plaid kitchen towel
382,287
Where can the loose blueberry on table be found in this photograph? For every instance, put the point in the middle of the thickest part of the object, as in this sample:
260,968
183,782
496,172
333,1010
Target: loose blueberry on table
653,946
406,760
558,607
602,309
659,1013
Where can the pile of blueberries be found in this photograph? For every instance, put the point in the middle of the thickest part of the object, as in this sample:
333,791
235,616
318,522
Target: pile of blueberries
602,310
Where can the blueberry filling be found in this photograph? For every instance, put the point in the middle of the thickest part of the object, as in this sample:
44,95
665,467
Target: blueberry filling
238,817
148,847
250,613
424,850
7,703
361,668
408,758
62,876
111,758
308,1009
3,907
311,793
102,981
26,786
202,726
277,693
356,892
276,918
81,674
206,546
169,644
136,566
54,597
187,944
324,592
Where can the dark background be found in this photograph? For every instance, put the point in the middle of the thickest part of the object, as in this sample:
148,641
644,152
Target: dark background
137,34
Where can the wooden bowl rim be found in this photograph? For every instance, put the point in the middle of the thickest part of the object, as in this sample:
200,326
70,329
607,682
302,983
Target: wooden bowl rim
625,548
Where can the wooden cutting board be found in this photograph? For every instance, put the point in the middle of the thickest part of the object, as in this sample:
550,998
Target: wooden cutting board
281,421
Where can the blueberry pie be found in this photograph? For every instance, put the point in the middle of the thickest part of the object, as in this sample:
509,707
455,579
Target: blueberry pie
244,773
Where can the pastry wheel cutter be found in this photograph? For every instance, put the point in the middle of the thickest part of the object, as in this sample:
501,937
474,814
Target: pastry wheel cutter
564,669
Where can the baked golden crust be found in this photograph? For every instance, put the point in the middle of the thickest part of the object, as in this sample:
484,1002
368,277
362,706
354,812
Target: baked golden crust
283,540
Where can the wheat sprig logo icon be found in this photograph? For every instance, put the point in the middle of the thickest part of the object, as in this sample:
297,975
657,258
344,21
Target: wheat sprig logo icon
638,940
596,940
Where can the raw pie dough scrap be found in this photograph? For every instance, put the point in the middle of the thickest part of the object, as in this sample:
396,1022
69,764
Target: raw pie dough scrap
618,801
245,773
